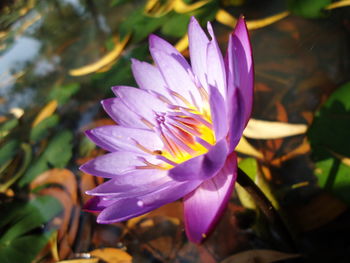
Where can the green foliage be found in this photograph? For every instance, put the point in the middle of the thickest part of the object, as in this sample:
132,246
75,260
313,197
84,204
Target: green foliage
329,131
176,25
57,154
8,150
334,176
141,25
63,93
308,8
6,127
23,228
328,137
41,130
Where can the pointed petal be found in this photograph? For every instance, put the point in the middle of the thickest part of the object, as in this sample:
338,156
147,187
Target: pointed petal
157,43
140,102
116,163
215,65
202,167
135,183
124,209
121,114
204,206
148,77
97,204
176,77
218,113
118,138
240,79
198,42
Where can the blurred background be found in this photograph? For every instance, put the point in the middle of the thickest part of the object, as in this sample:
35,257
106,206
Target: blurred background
59,58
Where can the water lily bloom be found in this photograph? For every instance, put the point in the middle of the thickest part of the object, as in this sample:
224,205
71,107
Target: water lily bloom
175,135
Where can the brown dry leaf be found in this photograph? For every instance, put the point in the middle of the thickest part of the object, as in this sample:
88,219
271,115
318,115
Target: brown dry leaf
112,255
260,129
259,256
47,111
259,86
322,209
301,149
63,177
104,61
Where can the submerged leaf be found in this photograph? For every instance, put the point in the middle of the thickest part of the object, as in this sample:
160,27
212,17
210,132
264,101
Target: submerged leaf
259,256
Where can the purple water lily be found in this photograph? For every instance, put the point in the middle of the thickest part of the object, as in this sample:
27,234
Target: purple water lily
175,135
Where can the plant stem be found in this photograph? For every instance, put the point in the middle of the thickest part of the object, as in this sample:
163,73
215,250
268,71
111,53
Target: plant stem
266,207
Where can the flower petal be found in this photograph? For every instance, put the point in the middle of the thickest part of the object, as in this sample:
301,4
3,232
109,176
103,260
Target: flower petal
135,183
157,43
177,78
121,114
240,78
218,113
198,42
118,138
116,163
148,77
204,206
141,102
215,65
202,167
97,204
124,209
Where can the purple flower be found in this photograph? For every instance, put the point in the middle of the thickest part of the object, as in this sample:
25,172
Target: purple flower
175,135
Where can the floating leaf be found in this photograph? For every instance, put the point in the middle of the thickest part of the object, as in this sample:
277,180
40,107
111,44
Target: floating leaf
259,129
259,256
176,25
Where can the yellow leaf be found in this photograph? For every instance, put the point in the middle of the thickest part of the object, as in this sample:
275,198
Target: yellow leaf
155,8
104,61
47,111
246,148
259,255
338,4
259,129
226,18
259,23
181,7
182,44
112,255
